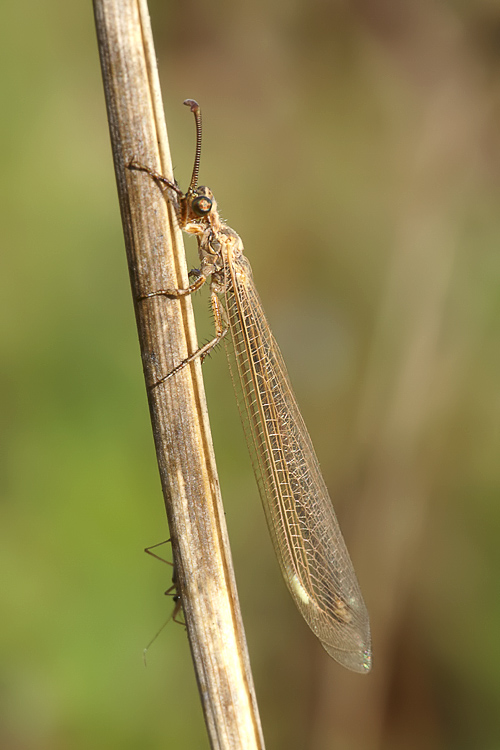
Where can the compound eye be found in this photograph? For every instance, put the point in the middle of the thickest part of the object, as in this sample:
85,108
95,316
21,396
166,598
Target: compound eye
201,205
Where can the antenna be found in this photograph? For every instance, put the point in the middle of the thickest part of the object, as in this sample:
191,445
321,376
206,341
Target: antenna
195,109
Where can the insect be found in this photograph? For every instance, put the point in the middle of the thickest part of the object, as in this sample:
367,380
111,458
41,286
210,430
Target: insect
303,527
172,591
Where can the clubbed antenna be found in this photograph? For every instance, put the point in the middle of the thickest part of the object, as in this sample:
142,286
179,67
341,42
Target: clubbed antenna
195,109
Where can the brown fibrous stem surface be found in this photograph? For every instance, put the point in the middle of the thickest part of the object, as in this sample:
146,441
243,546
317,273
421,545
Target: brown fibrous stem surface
203,568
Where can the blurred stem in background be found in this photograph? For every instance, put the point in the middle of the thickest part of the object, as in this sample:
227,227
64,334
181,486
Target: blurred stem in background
414,375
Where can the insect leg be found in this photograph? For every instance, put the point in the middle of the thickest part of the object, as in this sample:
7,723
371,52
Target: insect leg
221,324
221,328
172,591
162,181
177,293
157,557
176,598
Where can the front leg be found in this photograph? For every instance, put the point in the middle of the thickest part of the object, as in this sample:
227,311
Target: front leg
160,180
180,204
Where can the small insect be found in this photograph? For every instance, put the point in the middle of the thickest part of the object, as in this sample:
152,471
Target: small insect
172,591
303,527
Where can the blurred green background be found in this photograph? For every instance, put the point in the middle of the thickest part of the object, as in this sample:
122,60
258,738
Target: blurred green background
355,148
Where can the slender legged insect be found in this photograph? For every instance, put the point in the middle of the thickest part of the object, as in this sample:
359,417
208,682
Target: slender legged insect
172,591
303,527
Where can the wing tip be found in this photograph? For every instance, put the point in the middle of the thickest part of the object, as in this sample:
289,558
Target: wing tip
357,661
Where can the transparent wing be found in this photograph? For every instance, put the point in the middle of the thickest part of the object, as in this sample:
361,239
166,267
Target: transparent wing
302,523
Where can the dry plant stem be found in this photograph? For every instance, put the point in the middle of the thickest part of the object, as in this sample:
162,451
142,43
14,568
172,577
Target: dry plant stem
204,574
